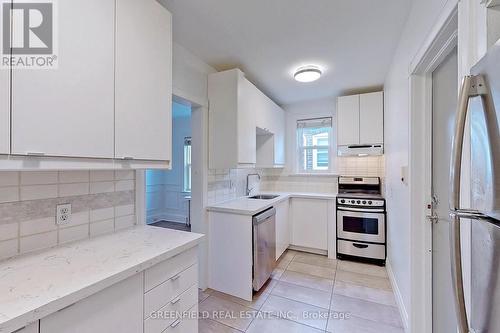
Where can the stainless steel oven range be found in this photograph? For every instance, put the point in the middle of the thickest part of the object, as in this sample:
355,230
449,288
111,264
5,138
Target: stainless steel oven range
361,220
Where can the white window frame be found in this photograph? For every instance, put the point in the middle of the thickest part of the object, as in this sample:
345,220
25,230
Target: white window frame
300,148
187,167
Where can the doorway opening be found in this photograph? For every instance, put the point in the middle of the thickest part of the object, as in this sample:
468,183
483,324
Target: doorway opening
169,192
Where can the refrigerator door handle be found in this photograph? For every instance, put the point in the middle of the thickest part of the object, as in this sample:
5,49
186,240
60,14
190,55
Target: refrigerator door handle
472,86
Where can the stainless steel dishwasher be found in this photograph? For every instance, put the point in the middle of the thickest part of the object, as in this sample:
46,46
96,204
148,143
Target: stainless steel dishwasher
264,247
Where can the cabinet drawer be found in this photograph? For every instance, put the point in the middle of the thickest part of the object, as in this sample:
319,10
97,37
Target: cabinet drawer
167,291
168,314
163,271
185,325
374,251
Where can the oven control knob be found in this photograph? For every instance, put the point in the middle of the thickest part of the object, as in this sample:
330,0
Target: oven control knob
364,202
359,202
352,201
369,202
342,201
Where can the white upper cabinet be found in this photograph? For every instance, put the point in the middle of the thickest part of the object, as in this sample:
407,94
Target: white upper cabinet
232,130
4,111
143,81
246,127
371,118
68,111
360,119
348,120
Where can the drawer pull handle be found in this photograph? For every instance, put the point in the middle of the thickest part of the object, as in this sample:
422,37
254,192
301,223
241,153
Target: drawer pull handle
360,246
174,278
174,301
175,323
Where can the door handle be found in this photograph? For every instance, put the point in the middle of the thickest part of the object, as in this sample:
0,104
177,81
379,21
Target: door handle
472,86
360,246
433,218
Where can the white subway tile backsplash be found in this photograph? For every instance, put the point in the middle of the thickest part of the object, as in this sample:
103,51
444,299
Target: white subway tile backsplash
124,210
102,175
73,233
9,231
102,214
74,177
77,219
38,242
31,224
37,226
39,177
8,249
124,174
102,187
68,190
37,192
124,222
101,227
9,178
125,185
9,194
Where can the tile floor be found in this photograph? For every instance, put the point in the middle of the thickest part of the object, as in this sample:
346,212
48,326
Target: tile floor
308,293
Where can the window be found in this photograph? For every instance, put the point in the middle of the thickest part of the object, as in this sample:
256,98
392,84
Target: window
313,143
187,164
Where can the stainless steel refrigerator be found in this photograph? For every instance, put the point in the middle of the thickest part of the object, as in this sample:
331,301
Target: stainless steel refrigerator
480,101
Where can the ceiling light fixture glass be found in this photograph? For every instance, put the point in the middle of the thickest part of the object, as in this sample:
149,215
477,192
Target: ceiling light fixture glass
307,74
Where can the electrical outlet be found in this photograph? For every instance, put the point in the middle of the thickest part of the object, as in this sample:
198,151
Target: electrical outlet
63,214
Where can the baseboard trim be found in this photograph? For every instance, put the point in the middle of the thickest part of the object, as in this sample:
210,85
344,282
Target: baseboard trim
399,298
308,249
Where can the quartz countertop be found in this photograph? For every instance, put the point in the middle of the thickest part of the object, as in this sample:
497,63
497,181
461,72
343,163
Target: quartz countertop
247,206
35,285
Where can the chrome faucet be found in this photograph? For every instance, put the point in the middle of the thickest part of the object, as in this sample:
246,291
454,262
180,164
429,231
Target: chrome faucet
249,190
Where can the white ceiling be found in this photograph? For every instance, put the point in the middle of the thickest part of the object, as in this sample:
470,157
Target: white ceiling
353,40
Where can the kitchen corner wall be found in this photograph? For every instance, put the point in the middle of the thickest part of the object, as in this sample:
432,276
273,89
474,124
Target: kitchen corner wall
102,202
227,184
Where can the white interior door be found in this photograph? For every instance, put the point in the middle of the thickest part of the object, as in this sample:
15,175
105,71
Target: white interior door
444,104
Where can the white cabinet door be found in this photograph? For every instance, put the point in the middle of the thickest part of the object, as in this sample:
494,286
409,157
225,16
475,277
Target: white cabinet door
118,308
348,120
247,151
282,227
371,118
32,328
68,111
4,111
279,121
310,223
143,80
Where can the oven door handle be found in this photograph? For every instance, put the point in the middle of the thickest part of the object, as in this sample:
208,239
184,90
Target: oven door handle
361,210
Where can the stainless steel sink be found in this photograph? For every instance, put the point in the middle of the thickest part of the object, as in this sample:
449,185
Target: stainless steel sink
264,196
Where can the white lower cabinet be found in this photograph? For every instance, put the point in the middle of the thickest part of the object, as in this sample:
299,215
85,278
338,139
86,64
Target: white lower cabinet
32,328
282,227
309,223
115,309
164,298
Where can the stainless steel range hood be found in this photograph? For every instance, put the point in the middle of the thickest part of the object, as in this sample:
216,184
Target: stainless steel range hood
361,150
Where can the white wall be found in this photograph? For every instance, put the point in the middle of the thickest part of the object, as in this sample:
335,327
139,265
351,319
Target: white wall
190,76
422,18
372,166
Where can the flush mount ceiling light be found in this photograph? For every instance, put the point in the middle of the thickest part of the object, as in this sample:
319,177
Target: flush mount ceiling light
307,74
